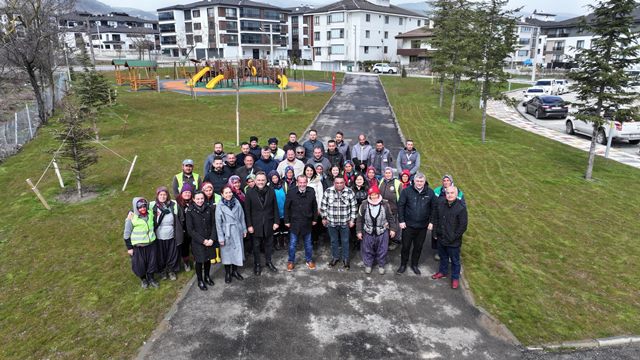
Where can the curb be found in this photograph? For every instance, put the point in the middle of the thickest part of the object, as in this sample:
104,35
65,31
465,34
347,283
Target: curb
393,113
587,344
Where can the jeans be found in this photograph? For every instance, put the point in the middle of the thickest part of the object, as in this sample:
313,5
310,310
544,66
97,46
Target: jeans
446,253
412,236
308,246
339,235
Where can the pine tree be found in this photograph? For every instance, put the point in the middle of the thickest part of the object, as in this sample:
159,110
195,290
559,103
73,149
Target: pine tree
601,79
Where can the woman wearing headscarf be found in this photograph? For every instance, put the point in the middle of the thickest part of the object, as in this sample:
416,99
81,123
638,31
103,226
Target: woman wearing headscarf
348,173
280,235
140,239
371,176
235,184
185,198
231,228
210,197
289,180
202,229
165,220
360,187
405,179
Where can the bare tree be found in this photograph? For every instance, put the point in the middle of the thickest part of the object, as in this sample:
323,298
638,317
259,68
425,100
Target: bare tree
31,40
141,44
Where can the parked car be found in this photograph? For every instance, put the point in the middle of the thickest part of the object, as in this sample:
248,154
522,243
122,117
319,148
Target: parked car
547,106
384,68
531,92
549,85
562,86
628,130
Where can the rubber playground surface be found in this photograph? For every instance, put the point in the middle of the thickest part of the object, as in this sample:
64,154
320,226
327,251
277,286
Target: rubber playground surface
181,86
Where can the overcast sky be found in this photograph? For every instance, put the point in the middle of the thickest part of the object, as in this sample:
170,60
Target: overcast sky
553,6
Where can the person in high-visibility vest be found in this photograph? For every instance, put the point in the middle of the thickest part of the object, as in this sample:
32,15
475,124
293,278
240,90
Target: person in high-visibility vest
167,226
187,176
140,239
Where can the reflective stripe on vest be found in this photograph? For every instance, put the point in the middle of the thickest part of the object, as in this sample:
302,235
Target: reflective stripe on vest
143,232
180,179
172,204
397,184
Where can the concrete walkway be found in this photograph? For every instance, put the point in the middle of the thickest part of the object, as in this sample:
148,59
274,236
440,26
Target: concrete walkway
509,115
328,313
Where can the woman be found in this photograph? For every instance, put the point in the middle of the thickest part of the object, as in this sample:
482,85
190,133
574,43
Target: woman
210,197
289,180
140,240
314,181
334,172
250,181
320,174
231,229
165,220
201,227
360,187
236,187
405,179
371,176
374,226
184,200
280,235
348,173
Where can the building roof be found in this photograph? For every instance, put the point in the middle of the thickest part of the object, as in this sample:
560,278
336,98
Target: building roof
140,63
120,17
235,3
300,10
364,5
574,21
109,29
416,33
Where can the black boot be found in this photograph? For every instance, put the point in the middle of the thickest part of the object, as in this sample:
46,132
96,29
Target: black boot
235,273
208,280
257,269
202,286
152,282
227,274
346,264
276,243
272,267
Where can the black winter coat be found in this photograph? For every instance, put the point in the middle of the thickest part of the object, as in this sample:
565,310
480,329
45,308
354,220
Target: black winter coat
450,222
300,209
415,208
218,179
261,214
336,159
201,225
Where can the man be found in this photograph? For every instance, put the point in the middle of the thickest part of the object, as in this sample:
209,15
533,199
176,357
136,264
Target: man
450,224
218,176
244,151
414,215
293,142
334,156
267,163
374,226
409,159
300,211
342,146
301,154
312,143
317,158
248,169
290,160
232,164
447,181
380,158
218,151
187,176
360,154
390,188
262,218
276,153
254,148
338,210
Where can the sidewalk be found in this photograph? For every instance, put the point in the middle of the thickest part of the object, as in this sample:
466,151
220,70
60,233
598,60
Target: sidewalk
509,115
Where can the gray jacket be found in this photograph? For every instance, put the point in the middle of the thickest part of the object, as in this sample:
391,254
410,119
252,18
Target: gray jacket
380,160
231,227
408,160
326,165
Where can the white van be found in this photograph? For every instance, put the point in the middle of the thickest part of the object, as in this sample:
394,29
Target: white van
550,86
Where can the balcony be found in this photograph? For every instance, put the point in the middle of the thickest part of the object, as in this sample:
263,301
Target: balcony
416,52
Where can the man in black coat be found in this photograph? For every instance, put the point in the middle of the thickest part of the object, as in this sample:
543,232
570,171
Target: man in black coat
219,175
300,212
414,217
262,217
450,222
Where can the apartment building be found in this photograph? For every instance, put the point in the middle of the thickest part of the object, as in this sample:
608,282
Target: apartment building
300,41
351,31
115,31
414,49
227,29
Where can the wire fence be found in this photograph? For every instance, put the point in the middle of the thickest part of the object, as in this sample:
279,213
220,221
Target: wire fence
23,126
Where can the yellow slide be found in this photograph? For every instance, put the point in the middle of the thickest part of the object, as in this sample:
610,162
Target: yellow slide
253,71
283,81
211,84
198,76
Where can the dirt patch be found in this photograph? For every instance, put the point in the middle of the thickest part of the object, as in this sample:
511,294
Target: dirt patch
70,196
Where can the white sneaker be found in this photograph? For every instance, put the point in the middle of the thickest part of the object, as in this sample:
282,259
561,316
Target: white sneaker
381,270
367,270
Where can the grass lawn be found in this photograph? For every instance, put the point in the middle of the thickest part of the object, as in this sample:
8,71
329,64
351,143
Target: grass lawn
551,255
66,287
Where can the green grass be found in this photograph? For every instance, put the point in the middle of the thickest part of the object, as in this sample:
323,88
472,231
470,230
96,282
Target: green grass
551,255
66,287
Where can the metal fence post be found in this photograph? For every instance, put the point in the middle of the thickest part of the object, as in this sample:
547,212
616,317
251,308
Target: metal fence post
29,121
16,127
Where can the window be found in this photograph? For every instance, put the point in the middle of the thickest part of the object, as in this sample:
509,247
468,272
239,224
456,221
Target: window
250,12
189,39
197,38
165,16
386,48
400,21
386,19
271,15
197,26
316,20
252,26
294,20
187,14
366,49
228,12
523,53
580,44
367,34
211,13
188,27
525,29
167,27
195,13
415,44
317,51
115,37
316,36
523,42
328,35
337,34
367,18
335,18
419,22
386,34
337,49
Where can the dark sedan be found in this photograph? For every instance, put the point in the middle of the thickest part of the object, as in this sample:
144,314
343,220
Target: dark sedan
547,106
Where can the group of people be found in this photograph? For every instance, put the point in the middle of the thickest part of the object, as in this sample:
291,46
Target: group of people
269,198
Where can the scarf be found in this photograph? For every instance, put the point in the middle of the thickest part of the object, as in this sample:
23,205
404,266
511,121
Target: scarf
229,203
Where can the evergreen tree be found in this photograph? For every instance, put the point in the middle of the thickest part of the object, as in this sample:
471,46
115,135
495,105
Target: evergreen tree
601,79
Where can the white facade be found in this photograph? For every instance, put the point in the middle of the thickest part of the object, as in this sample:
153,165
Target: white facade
342,38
